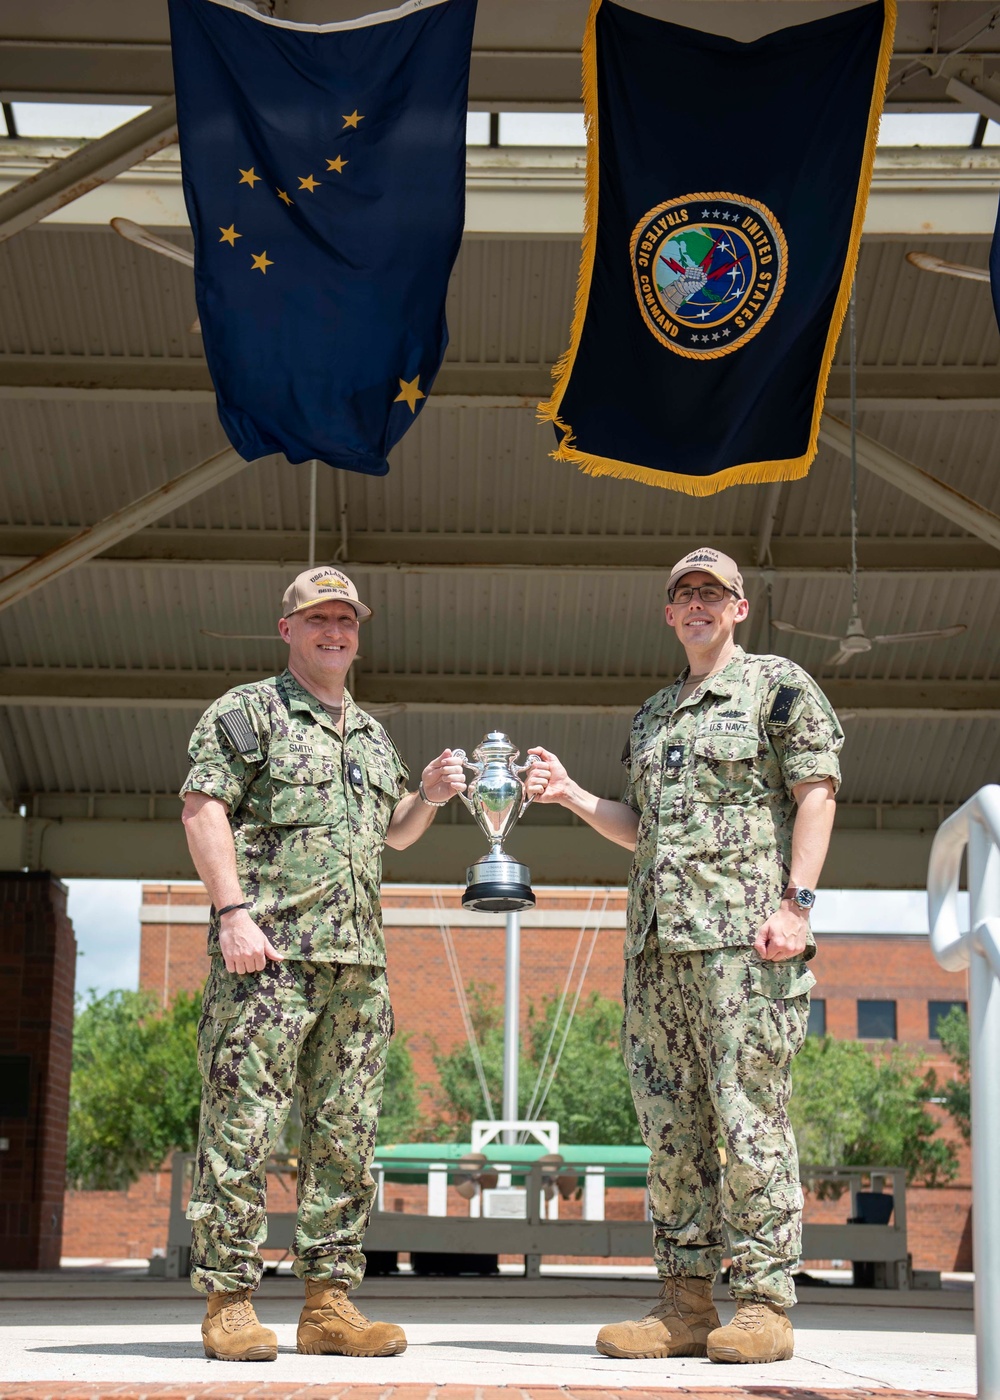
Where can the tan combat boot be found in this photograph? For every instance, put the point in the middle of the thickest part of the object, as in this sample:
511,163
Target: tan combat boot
330,1325
677,1326
230,1330
758,1332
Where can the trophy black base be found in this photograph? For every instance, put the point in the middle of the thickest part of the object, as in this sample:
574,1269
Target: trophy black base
498,886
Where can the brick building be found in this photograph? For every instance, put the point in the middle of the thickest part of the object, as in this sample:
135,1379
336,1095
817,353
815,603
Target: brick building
869,986
880,986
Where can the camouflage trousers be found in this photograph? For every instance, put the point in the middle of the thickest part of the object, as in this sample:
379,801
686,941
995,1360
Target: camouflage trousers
708,1040
324,1029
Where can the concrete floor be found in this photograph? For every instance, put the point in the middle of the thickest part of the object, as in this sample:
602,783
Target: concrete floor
118,1326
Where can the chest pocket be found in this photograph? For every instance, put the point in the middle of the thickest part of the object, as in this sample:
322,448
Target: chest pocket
725,768
306,790
381,792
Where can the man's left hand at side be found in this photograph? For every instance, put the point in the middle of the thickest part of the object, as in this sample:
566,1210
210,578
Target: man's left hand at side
783,935
443,777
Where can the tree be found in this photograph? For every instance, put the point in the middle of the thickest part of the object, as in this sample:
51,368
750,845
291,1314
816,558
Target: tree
400,1119
953,1030
589,1095
135,1091
135,1088
856,1107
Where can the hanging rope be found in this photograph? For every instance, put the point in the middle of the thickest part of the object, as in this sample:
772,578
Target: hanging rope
463,1005
576,1001
529,1111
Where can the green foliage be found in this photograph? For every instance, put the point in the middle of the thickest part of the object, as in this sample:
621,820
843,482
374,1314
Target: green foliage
135,1089
459,1099
856,1107
400,1119
956,1093
589,1097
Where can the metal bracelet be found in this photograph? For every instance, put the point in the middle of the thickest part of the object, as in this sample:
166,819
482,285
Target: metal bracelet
425,798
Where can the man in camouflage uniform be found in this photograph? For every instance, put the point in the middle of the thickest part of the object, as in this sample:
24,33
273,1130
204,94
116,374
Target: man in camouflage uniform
292,794
729,802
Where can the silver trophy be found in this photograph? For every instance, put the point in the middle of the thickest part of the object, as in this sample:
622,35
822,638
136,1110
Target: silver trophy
496,798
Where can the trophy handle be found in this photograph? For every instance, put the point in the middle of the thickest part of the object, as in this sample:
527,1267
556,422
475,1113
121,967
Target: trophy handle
473,766
522,769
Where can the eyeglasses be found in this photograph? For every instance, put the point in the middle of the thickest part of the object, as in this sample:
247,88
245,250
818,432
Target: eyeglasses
707,593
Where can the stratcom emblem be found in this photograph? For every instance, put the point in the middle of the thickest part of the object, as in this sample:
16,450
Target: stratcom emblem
709,270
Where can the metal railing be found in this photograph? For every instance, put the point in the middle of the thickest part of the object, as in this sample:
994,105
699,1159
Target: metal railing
975,828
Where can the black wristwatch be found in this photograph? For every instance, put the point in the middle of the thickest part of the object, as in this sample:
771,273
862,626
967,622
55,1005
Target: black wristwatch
802,898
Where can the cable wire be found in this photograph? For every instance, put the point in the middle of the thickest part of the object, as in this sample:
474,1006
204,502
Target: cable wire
463,1005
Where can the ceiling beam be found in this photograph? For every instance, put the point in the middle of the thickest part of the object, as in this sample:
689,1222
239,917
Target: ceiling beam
281,550
913,481
532,192
119,525
70,68
87,168
82,847
81,686
140,378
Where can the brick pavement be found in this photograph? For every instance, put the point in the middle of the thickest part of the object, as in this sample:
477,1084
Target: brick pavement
275,1390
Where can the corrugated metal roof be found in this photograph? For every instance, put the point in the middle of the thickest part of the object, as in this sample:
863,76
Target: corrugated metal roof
86,292
95,750
527,623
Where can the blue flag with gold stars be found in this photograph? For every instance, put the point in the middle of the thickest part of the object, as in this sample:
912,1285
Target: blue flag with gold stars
726,190
324,176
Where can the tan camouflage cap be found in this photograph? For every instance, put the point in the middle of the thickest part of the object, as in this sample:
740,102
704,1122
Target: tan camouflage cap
322,584
706,560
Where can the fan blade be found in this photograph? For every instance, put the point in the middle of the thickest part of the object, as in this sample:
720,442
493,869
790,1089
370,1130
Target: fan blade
801,631
932,635
135,233
241,636
927,262
839,657
195,327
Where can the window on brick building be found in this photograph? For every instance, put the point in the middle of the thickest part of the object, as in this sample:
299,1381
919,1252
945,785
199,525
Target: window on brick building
817,1017
937,1011
876,1020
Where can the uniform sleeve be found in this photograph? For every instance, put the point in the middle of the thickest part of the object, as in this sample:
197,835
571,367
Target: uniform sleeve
628,797
226,750
804,730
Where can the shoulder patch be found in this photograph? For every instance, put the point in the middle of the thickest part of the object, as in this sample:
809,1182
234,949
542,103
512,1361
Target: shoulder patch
782,704
237,730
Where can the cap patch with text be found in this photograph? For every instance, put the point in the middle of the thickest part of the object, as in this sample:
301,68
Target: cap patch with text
707,560
322,585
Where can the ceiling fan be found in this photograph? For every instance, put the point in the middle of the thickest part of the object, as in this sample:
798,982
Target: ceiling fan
929,262
855,641
145,238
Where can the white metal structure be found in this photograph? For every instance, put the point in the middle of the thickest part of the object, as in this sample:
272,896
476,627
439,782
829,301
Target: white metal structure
975,828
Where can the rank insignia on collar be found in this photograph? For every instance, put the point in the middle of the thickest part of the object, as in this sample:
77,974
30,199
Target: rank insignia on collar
355,776
674,756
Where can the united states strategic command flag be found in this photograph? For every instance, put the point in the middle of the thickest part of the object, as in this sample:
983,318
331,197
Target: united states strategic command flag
324,174
726,190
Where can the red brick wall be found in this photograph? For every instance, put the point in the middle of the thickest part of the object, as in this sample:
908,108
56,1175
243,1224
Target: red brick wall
37,975
172,957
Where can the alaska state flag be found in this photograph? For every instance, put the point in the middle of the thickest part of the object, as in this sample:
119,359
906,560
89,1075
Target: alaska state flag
324,175
726,191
